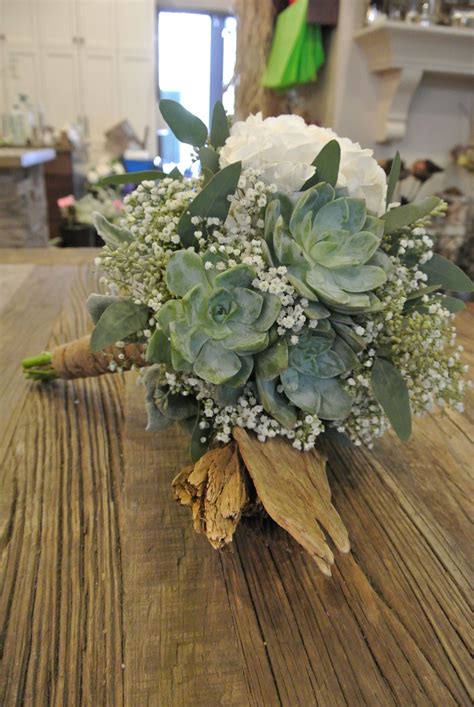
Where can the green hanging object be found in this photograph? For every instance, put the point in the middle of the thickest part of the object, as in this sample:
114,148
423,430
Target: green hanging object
297,51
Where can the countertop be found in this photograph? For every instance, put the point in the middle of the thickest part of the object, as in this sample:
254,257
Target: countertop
18,157
109,597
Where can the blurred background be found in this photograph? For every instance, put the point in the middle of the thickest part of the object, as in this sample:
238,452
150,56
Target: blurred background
80,82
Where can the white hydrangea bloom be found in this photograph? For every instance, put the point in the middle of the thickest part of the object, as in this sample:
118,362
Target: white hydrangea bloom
284,147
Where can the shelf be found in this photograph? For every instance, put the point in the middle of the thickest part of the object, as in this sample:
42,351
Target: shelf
399,53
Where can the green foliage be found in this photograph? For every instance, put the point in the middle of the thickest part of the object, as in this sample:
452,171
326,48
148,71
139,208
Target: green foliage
212,201
391,392
163,407
401,216
330,248
219,126
393,178
134,177
446,274
209,162
187,127
118,321
113,236
219,323
327,166
97,304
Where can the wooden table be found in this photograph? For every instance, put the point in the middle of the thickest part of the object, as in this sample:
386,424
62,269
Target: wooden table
108,597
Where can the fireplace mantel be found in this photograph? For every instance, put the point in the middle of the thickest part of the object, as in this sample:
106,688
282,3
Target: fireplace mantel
399,53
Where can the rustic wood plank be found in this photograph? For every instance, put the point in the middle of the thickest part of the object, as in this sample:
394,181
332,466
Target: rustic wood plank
174,586
61,591
48,256
108,597
25,325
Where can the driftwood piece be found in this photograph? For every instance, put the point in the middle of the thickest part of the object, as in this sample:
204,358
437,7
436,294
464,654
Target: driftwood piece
295,492
215,490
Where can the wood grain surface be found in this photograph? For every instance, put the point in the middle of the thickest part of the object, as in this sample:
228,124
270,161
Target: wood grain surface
109,597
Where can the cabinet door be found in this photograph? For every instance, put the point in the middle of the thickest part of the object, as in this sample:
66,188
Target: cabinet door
21,74
59,86
96,24
17,22
57,23
98,86
137,93
135,25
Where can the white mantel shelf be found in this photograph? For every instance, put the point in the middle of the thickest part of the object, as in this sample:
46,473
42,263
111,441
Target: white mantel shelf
399,53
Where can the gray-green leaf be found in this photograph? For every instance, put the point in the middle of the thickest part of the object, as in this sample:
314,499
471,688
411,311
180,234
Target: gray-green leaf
391,392
97,304
219,126
112,235
187,127
148,175
119,320
212,201
409,213
445,273
327,165
393,178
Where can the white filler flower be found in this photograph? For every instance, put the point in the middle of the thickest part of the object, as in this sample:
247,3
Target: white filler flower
284,147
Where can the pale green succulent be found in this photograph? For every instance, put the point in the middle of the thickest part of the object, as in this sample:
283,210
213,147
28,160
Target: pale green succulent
164,407
218,323
307,374
330,246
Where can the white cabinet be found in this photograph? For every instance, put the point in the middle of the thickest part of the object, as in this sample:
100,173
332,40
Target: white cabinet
18,52
86,61
96,26
18,22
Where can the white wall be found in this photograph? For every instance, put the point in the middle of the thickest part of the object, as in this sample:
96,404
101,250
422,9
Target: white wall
345,98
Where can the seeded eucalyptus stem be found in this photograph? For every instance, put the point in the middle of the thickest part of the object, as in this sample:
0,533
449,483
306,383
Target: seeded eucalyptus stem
39,367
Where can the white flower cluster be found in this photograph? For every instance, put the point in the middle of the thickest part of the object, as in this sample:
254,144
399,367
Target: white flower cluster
151,213
283,148
217,421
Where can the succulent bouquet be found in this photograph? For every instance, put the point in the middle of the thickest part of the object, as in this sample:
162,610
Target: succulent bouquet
275,296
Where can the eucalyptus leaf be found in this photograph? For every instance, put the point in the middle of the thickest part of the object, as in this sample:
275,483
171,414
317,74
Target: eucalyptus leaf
112,235
393,178
209,161
97,304
212,201
119,320
158,350
188,128
447,274
401,216
219,126
148,175
422,291
327,165
391,392
452,304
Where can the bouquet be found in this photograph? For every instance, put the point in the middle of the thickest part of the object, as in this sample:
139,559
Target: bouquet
275,296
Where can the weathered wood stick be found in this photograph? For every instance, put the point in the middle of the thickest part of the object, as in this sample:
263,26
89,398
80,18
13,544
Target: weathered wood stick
215,489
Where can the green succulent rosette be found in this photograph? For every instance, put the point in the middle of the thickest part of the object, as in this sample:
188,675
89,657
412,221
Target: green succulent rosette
330,245
217,324
307,375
